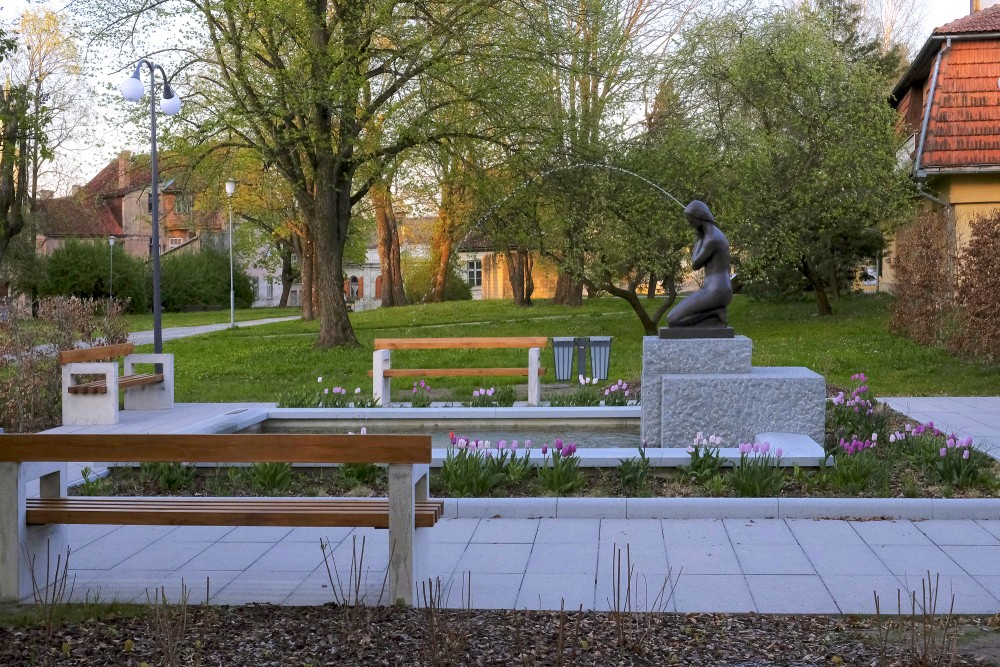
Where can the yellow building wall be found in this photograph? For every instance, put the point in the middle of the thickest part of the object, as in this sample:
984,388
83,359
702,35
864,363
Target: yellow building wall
496,284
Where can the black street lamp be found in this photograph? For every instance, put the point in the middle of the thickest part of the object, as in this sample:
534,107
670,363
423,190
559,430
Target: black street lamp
132,90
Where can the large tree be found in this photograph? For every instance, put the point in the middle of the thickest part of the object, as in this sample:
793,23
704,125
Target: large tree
16,134
808,151
302,83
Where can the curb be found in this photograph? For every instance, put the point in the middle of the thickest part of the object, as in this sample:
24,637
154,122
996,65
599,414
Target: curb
917,509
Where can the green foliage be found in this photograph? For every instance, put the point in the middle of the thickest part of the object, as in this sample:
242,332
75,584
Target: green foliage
84,270
634,475
757,476
503,396
856,415
518,468
467,473
418,277
706,461
716,486
202,279
584,395
363,474
420,395
171,477
560,473
851,473
271,478
91,487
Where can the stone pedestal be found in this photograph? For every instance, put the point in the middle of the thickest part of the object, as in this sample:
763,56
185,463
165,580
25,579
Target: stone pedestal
709,385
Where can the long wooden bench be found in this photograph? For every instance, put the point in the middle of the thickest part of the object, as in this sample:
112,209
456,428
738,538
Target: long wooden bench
27,523
382,371
96,401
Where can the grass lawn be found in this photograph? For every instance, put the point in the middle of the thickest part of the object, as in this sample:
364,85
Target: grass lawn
144,321
260,363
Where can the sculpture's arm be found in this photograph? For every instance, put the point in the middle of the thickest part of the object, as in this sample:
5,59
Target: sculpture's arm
702,253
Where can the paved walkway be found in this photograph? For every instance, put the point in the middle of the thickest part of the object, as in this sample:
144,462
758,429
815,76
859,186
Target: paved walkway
170,333
737,565
977,416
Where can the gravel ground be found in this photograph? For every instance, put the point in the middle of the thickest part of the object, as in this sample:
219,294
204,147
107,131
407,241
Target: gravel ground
266,635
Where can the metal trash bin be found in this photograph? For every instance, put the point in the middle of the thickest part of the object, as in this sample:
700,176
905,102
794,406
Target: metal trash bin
562,349
600,356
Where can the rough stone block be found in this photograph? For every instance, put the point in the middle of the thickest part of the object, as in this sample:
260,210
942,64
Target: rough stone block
159,396
738,406
679,357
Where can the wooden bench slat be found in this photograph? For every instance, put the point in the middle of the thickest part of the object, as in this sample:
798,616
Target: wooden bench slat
217,448
97,353
212,512
460,343
454,372
124,382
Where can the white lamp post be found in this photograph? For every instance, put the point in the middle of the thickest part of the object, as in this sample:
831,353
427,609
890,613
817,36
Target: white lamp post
111,282
132,90
230,189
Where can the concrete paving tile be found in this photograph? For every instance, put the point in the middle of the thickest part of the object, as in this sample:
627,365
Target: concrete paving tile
767,559
759,531
454,530
495,558
256,534
823,531
200,533
915,560
890,532
443,558
568,531
970,596
644,557
952,532
122,585
790,594
547,591
976,560
713,593
492,591
833,559
703,559
80,535
229,556
506,531
562,559
690,531
106,552
314,535
855,593
368,554
164,555
247,588
198,583
631,531
289,557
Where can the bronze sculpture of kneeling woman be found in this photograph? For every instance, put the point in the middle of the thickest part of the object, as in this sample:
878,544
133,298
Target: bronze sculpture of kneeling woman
706,308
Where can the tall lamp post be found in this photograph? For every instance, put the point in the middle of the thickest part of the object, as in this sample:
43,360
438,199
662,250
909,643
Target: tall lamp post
132,90
230,189
111,282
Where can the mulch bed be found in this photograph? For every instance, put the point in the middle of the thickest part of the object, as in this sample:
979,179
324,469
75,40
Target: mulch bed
266,635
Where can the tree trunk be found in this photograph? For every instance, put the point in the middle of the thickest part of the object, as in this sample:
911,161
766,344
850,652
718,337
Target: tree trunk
442,263
287,273
333,214
819,289
529,281
307,279
651,291
388,246
569,292
515,275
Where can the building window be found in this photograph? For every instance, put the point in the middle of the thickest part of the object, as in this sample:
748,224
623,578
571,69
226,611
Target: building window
270,289
149,203
255,281
475,271
183,202
175,241
354,288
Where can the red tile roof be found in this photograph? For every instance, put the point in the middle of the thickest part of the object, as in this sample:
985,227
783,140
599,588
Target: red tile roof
987,20
77,216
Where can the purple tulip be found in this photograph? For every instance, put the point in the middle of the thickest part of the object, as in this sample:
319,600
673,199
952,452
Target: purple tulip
545,450
965,455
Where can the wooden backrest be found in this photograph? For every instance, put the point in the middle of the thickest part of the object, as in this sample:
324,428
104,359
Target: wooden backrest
97,353
459,343
217,448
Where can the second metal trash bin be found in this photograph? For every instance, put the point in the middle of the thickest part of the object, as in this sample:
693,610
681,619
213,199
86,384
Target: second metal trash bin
562,349
600,356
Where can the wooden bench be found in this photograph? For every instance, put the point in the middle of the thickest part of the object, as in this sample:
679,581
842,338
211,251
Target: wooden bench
382,371
96,402
27,523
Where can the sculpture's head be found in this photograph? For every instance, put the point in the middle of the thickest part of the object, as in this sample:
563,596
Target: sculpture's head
697,214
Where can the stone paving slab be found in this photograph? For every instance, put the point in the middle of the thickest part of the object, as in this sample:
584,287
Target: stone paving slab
978,416
767,566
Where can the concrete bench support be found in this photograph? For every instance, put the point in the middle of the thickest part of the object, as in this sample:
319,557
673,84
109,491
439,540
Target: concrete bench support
534,382
381,385
87,409
407,485
156,396
20,544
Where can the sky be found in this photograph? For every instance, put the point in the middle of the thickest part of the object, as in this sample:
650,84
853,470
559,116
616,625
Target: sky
88,159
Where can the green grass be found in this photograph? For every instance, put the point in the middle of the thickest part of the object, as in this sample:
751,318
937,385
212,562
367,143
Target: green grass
259,363
144,321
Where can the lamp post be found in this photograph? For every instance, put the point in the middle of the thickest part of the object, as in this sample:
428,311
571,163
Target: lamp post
230,189
132,90
111,282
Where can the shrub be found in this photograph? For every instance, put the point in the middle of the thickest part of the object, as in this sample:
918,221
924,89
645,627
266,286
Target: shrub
418,276
83,270
924,284
977,325
202,279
